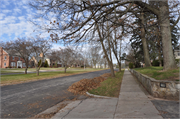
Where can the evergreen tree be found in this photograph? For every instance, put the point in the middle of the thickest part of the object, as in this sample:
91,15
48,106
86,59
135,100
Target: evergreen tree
46,64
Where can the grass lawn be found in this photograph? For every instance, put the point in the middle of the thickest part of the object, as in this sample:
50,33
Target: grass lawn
19,78
29,69
158,73
110,87
20,70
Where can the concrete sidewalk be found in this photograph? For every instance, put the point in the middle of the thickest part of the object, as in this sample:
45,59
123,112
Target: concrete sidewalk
132,103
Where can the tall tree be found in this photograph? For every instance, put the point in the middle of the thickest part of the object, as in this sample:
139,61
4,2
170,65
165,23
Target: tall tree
83,17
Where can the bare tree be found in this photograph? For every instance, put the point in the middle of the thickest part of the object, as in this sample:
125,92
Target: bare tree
39,47
67,57
85,15
54,56
21,47
95,55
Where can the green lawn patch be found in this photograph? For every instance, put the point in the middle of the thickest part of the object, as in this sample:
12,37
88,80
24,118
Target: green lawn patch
110,87
19,78
158,73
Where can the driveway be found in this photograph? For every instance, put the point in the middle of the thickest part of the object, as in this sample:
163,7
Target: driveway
28,99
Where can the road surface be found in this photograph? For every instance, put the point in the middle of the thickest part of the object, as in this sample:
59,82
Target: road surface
28,99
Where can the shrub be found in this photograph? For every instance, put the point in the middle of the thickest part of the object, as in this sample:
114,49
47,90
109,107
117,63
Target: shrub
177,61
137,65
56,65
46,64
9,67
19,67
155,63
130,65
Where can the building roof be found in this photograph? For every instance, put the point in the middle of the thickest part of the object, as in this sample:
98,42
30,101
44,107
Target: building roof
12,53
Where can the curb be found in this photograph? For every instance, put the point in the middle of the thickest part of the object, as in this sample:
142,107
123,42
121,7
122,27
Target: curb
97,96
53,108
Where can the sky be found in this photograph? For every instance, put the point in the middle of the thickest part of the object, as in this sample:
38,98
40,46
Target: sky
15,16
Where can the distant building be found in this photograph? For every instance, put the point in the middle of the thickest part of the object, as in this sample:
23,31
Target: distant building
46,58
9,60
177,54
103,66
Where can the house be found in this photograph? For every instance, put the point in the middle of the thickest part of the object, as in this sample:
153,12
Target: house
9,60
46,58
36,60
101,66
177,54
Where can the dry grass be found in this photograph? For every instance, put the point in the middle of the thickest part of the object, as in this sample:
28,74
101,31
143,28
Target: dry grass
104,85
82,86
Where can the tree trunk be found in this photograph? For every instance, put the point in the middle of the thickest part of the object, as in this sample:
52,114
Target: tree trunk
65,69
160,62
168,57
37,72
145,47
119,64
120,56
105,52
159,56
112,70
25,71
105,64
159,45
109,62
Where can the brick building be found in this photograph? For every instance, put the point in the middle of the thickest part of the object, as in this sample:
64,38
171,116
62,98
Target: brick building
7,59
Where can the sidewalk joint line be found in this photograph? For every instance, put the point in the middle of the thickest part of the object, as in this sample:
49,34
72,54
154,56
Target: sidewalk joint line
73,108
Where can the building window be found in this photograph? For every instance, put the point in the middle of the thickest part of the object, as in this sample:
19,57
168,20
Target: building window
12,57
178,53
19,58
13,64
24,64
5,58
4,64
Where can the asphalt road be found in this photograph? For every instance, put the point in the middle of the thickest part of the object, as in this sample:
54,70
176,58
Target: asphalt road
28,99
167,109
